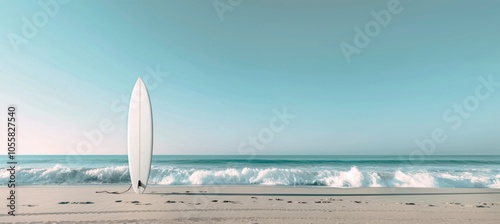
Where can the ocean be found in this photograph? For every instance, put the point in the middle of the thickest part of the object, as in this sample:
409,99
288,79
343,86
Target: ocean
314,171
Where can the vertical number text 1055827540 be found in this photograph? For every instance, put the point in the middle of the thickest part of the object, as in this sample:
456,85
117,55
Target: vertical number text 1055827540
11,162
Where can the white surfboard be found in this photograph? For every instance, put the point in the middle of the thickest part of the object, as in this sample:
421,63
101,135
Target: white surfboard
140,137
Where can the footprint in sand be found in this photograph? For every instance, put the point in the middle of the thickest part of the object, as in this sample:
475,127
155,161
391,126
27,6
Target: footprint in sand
135,202
322,201
80,203
232,202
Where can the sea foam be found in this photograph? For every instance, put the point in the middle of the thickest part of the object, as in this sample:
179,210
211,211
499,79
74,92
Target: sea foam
342,177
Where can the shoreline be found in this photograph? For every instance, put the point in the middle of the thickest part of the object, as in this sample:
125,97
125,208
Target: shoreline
250,186
253,204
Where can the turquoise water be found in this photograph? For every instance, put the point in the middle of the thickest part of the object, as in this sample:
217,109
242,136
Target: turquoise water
328,171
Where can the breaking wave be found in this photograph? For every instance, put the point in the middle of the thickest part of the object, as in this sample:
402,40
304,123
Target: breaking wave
343,177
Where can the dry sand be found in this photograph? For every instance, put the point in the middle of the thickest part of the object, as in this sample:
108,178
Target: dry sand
253,204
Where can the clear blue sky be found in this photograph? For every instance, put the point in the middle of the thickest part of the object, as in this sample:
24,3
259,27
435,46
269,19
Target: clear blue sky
226,77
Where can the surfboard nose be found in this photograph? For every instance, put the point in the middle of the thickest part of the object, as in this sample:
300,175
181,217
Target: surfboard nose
139,80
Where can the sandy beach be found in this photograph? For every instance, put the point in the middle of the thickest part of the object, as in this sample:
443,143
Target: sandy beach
253,204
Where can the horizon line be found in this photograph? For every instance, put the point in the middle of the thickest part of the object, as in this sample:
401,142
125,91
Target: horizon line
257,155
